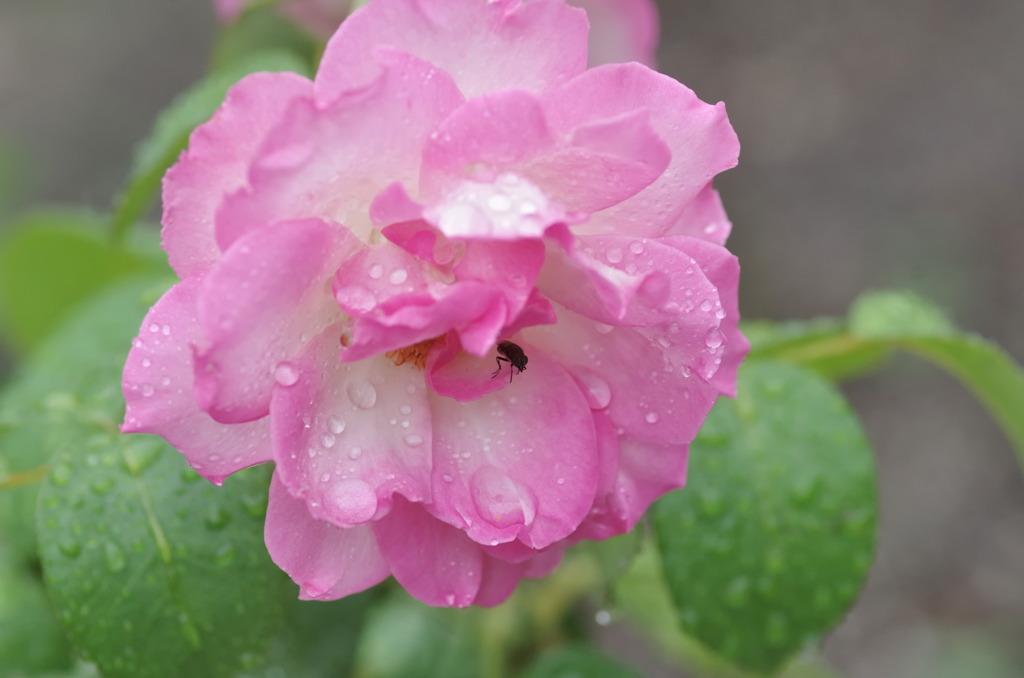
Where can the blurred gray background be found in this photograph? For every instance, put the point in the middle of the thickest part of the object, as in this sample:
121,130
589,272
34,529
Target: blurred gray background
883,146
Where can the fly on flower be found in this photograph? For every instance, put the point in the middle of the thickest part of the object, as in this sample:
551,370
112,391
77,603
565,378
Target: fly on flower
512,354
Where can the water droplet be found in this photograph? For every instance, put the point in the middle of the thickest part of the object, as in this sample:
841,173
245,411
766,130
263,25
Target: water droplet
398,276
714,338
651,417
350,501
286,374
636,247
705,305
146,390
447,478
355,452
500,500
336,425
216,518
560,481
327,440
146,362
413,440
224,556
614,255
711,228
362,394
101,486
165,330
154,328
737,592
114,557
499,202
595,388
70,548
376,271
60,475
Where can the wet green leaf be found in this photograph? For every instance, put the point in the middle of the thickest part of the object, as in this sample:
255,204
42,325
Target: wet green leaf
767,546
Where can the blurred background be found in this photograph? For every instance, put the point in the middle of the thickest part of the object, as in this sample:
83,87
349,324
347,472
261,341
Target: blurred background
883,146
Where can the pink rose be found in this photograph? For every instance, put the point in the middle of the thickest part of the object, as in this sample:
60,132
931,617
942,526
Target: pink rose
355,250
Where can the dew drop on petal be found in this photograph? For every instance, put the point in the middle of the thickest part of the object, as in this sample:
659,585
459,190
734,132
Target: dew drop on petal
286,374
614,255
651,417
595,388
376,271
335,424
714,338
705,305
398,276
327,440
636,247
355,452
350,501
362,394
146,390
413,440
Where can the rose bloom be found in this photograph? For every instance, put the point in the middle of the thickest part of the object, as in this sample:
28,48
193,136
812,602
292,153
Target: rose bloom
355,251
620,30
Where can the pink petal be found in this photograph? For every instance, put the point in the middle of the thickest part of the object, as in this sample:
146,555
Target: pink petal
454,373
499,580
518,463
606,161
262,302
436,563
482,137
699,136
648,394
621,30
327,562
330,161
485,46
620,280
723,269
507,208
229,10
600,163
216,164
159,394
349,436
397,300
642,472
704,218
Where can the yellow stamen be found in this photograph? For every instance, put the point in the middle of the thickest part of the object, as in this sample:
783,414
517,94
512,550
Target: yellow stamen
415,354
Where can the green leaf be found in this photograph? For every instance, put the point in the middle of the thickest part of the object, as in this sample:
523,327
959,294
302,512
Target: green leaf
318,638
53,259
904,321
767,546
576,662
405,639
152,571
260,28
822,344
881,322
87,350
31,640
173,126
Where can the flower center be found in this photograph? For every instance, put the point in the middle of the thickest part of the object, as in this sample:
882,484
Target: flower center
415,354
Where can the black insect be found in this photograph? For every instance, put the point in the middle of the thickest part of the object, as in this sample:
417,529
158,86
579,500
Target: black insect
512,354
